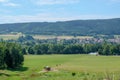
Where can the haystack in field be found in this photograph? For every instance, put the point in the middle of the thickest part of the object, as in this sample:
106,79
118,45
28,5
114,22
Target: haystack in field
47,69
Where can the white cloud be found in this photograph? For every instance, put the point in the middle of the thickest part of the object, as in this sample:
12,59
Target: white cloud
51,2
8,3
11,4
2,1
49,18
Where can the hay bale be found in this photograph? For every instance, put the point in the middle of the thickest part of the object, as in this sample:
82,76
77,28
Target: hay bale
47,68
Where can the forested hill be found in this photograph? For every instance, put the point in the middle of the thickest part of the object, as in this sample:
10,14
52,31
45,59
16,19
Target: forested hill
74,27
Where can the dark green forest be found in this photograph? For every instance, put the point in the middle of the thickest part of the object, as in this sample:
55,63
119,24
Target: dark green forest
101,49
52,46
74,27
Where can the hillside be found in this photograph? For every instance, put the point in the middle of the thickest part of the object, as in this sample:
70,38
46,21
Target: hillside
74,27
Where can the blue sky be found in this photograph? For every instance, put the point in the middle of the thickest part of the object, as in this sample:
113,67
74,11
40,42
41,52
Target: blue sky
12,11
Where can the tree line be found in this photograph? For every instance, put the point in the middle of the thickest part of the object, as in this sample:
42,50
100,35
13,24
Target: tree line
10,55
102,49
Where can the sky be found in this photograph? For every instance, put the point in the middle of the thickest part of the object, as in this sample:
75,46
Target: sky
17,11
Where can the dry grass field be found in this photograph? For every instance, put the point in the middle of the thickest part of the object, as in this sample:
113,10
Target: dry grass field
60,37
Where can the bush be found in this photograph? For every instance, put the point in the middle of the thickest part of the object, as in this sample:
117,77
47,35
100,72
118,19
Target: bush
11,56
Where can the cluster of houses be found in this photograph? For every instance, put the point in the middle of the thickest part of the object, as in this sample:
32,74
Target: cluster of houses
89,40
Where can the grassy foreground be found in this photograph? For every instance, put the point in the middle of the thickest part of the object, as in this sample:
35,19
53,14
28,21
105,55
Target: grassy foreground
67,67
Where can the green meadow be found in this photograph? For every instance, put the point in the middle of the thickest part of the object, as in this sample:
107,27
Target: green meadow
66,67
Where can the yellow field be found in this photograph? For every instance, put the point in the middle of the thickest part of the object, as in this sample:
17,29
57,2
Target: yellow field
10,36
60,37
40,37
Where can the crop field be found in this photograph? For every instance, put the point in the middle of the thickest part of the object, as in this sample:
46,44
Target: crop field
10,36
40,37
66,67
60,37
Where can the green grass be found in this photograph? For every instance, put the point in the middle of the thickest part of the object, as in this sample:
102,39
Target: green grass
85,67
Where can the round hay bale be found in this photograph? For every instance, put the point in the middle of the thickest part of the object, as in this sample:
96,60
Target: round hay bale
47,68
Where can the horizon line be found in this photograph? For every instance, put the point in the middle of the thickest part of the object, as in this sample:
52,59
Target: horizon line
56,21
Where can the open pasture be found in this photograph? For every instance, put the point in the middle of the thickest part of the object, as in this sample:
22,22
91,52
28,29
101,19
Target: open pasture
67,67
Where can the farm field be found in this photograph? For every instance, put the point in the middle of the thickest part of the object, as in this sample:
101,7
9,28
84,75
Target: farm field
66,67
60,37
40,37
10,36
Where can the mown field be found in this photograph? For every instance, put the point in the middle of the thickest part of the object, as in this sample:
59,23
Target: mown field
66,67
40,37
10,36
60,37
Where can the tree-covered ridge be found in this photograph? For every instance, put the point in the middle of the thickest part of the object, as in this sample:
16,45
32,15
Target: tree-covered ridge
75,27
